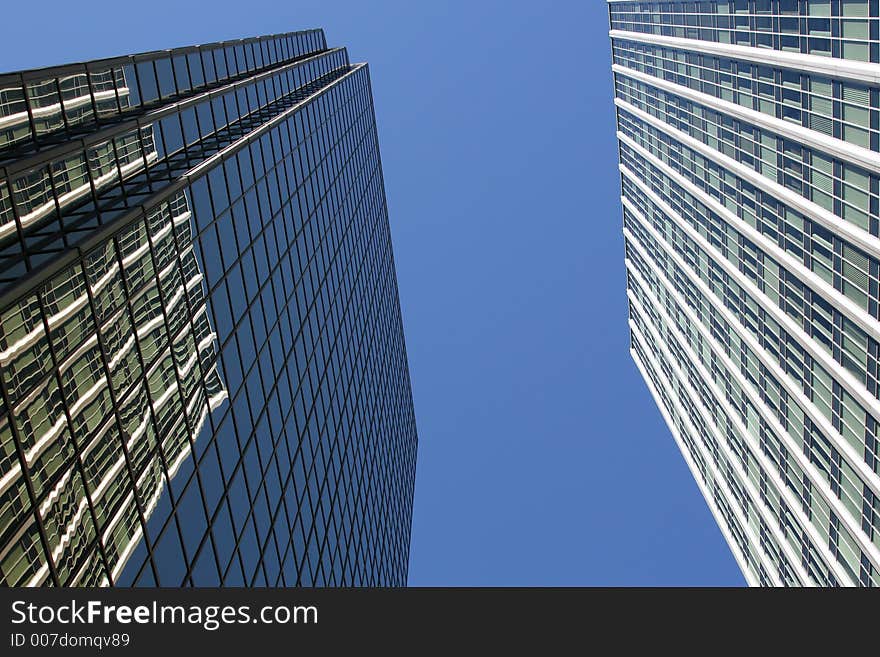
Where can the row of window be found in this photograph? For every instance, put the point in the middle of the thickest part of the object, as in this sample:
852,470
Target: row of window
53,106
839,109
841,265
817,316
80,104
834,402
668,387
854,562
826,8
845,190
146,159
712,462
858,351
846,417
845,268
819,512
851,32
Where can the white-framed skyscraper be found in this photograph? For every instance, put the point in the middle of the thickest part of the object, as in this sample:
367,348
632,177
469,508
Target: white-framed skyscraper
749,135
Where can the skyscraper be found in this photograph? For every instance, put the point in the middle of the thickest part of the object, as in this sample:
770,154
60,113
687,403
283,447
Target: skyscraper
749,134
204,378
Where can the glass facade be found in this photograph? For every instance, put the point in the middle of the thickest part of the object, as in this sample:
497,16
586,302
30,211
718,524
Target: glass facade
749,145
204,377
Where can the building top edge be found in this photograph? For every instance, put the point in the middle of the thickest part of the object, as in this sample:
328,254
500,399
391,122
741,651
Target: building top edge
72,67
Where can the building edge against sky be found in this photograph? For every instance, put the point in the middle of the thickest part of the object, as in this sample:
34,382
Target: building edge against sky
204,376
749,142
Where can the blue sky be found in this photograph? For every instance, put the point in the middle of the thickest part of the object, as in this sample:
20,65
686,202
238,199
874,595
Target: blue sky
542,458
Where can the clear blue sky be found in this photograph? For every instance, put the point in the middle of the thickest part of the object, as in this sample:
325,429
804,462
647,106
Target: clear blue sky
542,458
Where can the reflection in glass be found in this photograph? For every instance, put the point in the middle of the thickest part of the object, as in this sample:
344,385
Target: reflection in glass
109,365
58,102
127,329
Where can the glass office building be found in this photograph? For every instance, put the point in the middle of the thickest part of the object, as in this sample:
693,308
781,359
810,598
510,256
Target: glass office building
203,377
749,134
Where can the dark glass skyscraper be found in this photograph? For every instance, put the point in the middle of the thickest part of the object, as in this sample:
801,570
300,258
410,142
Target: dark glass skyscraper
204,378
